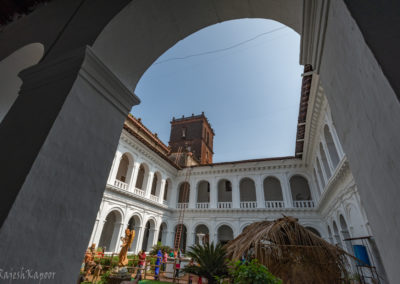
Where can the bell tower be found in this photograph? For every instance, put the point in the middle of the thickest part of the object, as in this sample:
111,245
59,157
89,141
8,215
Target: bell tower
194,134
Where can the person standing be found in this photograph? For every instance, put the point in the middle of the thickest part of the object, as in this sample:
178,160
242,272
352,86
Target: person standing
141,264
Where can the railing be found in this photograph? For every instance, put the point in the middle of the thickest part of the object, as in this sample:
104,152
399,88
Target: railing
248,204
303,203
202,205
181,205
274,204
138,192
121,184
154,198
165,202
224,205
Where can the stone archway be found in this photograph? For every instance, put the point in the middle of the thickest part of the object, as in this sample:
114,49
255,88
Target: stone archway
344,61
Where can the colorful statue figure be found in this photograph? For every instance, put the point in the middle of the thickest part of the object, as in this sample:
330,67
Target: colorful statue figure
89,261
126,244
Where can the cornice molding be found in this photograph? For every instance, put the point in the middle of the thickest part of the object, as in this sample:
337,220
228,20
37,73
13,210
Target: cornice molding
315,15
100,77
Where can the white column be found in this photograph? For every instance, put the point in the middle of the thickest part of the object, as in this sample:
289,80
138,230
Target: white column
170,238
321,164
114,168
259,192
320,185
287,195
335,138
155,237
149,184
212,231
235,193
327,154
135,171
192,194
213,193
116,239
140,238
97,231
162,189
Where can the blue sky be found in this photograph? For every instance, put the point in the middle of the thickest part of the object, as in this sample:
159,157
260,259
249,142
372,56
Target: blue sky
250,93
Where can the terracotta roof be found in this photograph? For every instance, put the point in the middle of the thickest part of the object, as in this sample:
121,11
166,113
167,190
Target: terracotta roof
248,161
151,135
301,122
148,145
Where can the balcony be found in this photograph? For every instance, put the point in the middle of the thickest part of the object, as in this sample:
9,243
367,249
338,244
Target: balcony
248,204
274,204
154,198
303,204
121,185
139,192
202,205
224,205
182,205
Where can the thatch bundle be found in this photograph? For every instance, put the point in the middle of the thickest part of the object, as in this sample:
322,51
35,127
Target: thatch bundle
291,252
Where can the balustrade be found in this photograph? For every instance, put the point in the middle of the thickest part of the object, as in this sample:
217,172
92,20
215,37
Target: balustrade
274,204
303,203
248,204
138,192
224,205
154,198
121,184
202,205
182,205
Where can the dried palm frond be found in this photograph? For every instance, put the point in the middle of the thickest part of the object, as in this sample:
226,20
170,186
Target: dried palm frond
291,252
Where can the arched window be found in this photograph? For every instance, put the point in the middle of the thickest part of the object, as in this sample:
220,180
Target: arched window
165,197
109,235
148,235
336,234
273,193
141,180
156,184
301,194
331,146
224,194
134,224
203,192
204,233
123,167
313,230
324,161
225,234
162,234
248,197
182,243
321,176
299,188
184,193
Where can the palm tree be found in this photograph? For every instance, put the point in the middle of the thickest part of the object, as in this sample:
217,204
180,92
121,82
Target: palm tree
210,259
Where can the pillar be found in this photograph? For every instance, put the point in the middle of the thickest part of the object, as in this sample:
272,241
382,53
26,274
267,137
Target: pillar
287,195
235,193
135,171
114,168
65,163
149,184
213,193
259,192
192,194
162,188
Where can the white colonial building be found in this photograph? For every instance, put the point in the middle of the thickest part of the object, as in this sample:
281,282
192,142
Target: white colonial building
144,188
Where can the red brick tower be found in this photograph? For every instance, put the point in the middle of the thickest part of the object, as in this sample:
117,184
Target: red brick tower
194,134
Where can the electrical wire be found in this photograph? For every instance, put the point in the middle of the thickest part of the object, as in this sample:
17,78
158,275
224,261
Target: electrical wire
219,50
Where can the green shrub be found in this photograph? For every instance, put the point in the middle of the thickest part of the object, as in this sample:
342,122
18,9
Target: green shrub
252,273
159,246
